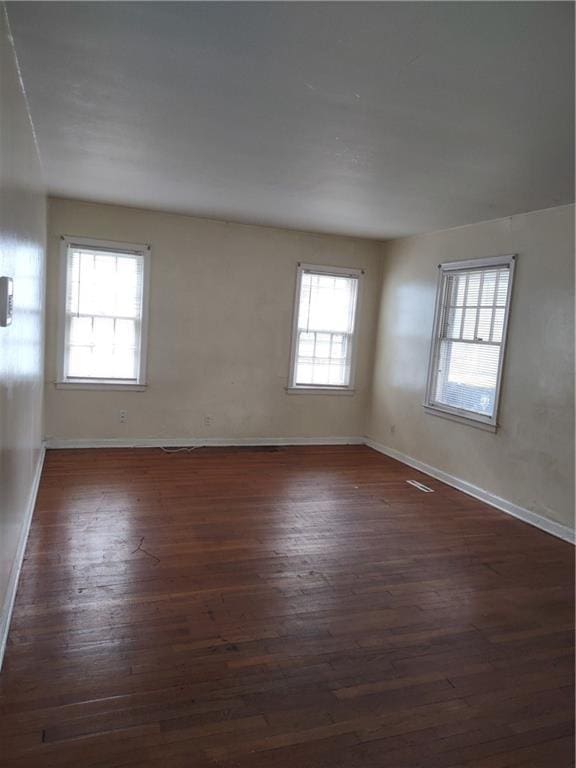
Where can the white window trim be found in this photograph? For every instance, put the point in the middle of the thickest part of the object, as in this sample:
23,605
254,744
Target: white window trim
489,423
138,385
323,389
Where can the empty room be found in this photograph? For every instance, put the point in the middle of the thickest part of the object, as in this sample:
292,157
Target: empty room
287,384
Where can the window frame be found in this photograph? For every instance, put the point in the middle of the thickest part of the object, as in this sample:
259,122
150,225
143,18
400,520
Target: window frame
461,415
324,389
64,382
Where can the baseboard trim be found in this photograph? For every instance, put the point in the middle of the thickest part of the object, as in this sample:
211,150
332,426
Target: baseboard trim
8,606
556,529
180,442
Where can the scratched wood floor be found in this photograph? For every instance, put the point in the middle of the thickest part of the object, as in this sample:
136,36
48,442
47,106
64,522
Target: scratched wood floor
288,608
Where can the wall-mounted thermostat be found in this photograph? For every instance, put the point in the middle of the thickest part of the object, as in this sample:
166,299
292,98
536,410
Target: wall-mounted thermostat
6,301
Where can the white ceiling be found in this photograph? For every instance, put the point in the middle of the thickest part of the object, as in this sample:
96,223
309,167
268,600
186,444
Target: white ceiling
371,119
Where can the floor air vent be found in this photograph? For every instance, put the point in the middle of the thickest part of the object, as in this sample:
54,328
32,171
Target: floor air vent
420,486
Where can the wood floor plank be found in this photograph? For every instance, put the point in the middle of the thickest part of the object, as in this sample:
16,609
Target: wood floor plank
282,607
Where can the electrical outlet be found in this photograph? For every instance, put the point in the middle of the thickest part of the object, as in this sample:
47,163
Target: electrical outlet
123,416
207,421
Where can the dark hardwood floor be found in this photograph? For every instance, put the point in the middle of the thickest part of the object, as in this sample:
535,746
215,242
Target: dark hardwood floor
284,608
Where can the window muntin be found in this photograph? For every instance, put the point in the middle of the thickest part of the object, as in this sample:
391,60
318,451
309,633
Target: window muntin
469,337
324,329
104,314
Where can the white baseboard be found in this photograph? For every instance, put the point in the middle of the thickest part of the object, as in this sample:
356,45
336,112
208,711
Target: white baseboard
556,529
8,606
193,442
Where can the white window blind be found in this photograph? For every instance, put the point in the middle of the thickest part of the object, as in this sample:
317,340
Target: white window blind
324,332
469,337
104,314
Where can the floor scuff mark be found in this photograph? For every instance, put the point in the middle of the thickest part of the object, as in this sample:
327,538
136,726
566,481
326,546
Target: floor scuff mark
140,548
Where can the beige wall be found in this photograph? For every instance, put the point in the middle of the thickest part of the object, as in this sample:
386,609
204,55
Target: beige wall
530,460
221,299
22,236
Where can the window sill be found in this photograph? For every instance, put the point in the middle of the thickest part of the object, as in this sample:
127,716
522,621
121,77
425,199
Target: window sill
101,385
320,391
469,420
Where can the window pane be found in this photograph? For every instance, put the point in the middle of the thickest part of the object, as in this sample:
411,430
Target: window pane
488,288
104,283
103,333
472,299
498,328
454,323
469,324
325,360
306,345
484,323
326,310
327,303
467,376
322,345
338,347
337,374
81,330
304,372
123,363
127,288
80,361
125,334
460,287
502,289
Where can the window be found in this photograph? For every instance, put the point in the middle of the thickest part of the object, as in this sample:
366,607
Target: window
469,338
324,327
103,319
